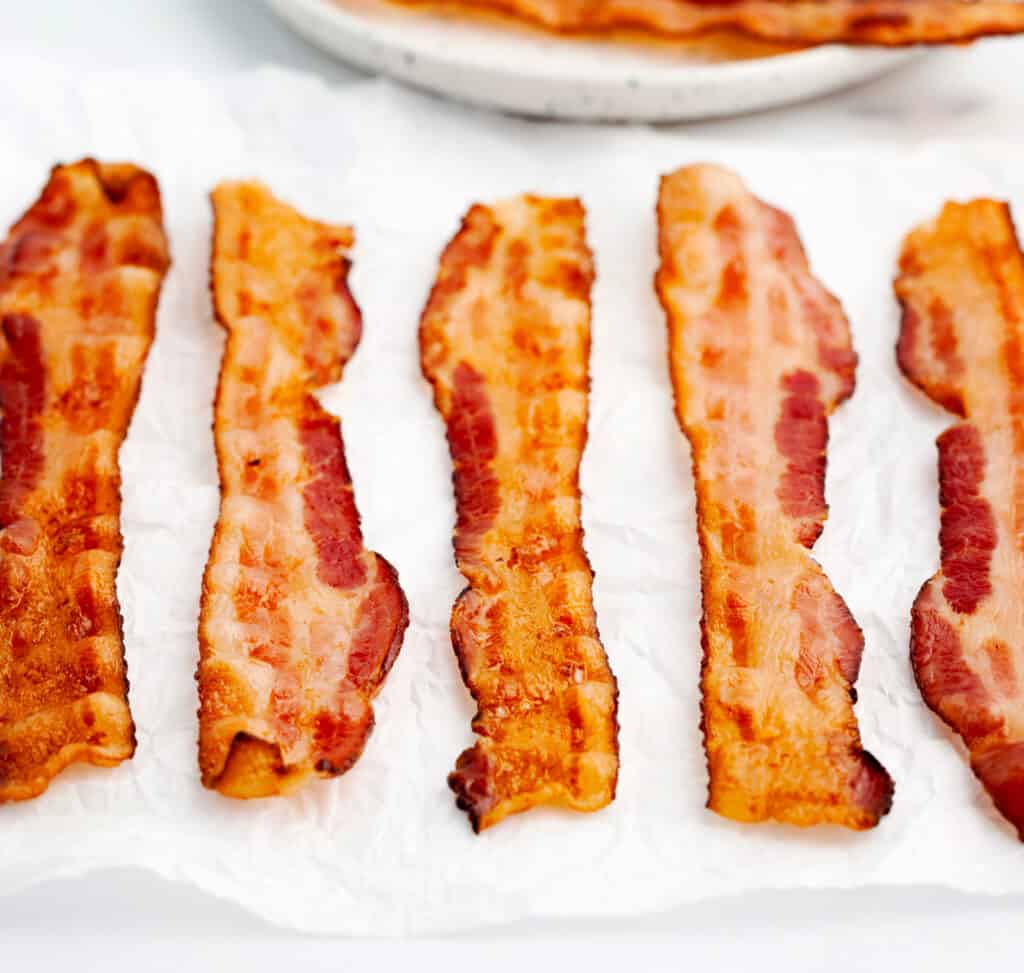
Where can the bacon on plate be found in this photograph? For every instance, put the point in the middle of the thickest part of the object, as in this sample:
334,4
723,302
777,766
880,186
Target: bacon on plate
880,22
505,342
299,622
961,284
80,274
760,355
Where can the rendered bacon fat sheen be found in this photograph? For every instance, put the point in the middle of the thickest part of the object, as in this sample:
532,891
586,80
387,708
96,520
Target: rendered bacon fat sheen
760,355
961,284
505,341
80,274
299,622
881,22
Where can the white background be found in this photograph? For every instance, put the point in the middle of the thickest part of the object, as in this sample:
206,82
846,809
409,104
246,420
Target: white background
127,920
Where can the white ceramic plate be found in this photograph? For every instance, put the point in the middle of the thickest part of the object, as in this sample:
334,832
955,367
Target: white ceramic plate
523,70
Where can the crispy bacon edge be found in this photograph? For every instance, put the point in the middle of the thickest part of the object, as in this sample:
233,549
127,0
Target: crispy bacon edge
23,376
885,23
929,354
254,767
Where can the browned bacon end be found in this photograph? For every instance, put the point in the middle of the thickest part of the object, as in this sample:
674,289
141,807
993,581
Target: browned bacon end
891,23
760,355
961,285
505,342
299,622
80,274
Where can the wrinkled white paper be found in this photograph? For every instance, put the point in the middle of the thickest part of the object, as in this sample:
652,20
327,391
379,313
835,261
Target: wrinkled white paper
383,849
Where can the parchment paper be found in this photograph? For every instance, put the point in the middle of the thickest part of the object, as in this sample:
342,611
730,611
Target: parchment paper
383,849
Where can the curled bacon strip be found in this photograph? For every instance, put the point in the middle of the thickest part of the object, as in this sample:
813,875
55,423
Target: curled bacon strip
961,284
299,622
760,355
80,274
505,341
883,22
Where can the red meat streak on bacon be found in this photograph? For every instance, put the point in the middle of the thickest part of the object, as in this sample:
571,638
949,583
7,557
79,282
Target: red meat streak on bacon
968,532
474,445
505,341
79,278
760,355
880,22
23,392
330,506
961,285
801,435
300,623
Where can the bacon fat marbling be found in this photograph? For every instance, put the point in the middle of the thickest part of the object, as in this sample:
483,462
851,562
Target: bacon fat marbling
299,622
80,275
760,355
961,285
505,342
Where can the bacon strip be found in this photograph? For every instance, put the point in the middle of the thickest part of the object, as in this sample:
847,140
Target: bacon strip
760,355
80,274
299,622
961,284
505,342
890,23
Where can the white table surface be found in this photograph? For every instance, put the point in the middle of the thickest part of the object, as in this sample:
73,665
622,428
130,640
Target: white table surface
130,920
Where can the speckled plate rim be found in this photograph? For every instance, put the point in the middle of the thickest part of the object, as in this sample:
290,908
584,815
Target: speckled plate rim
482,65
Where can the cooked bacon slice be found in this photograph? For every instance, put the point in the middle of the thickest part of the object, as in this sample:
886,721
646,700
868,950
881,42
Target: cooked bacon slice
760,355
505,341
299,622
883,22
80,274
961,285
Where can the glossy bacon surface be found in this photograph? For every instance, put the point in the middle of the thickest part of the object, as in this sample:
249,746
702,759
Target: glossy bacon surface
505,342
961,284
760,355
881,22
299,622
80,274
